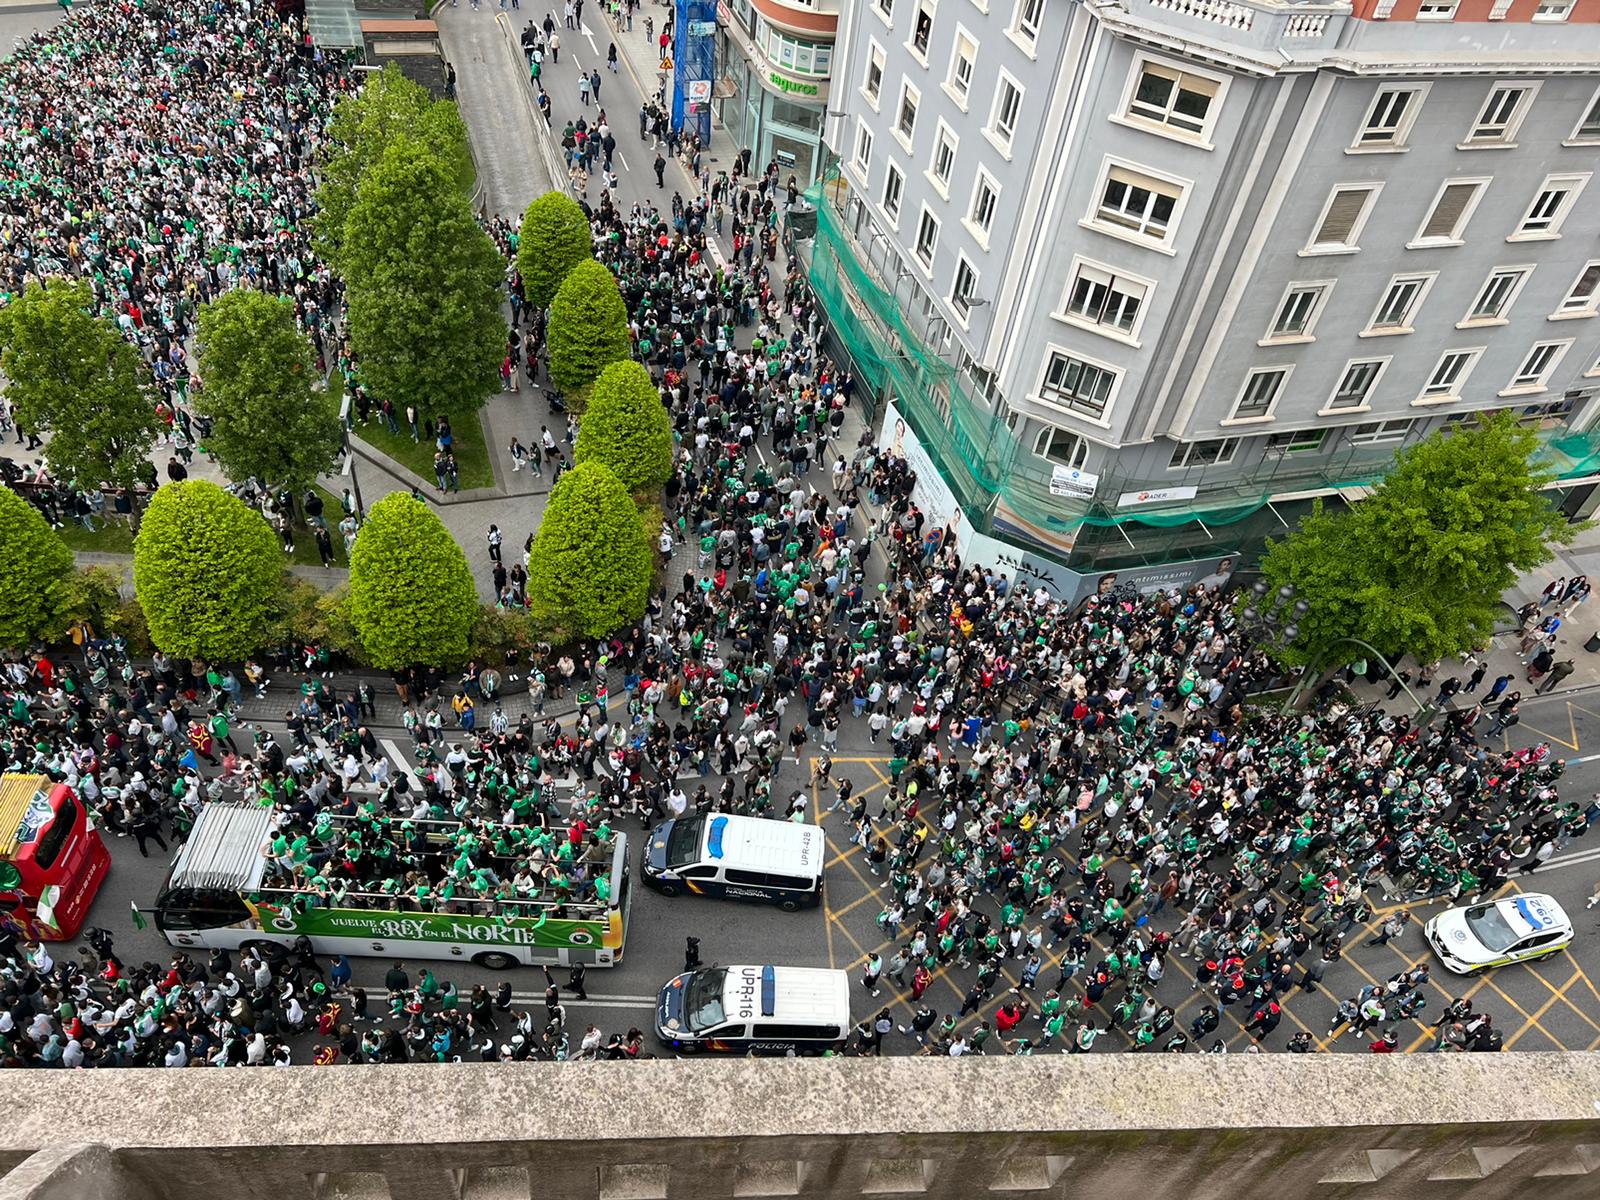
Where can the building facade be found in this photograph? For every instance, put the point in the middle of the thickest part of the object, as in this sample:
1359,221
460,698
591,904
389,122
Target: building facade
778,63
1143,277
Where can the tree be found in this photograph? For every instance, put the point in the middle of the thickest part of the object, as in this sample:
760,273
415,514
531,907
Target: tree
591,565
258,369
364,125
207,571
1420,566
626,427
35,565
71,374
424,287
412,599
555,237
588,326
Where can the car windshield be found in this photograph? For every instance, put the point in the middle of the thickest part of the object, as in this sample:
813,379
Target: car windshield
1490,928
683,843
702,1000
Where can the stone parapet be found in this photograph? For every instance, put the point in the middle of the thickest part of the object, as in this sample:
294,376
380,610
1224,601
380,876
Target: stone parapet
1197,1127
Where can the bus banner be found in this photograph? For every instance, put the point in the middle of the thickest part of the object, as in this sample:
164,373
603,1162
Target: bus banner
441,927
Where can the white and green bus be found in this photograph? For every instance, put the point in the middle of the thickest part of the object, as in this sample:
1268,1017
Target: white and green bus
216,895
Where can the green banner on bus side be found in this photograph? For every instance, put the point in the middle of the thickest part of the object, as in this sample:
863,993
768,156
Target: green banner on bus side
385,925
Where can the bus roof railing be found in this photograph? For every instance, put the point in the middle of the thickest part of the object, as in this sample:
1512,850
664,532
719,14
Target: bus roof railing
577,909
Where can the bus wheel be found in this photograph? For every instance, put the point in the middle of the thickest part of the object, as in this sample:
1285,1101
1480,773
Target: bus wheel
668,889
789,905
270,953
495,961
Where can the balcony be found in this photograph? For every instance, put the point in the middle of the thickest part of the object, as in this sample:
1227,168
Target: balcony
1251,32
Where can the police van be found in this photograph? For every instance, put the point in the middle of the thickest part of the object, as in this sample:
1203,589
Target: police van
742,858
755,1010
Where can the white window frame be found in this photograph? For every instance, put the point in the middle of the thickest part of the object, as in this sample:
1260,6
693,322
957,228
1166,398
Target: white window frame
911,90
1047,433
1041,398
930,8
1444,10
1590,117
1286,370
1507,139
1123,233
1312,248
1329,408
1522,384
1425,281
979,231
944,135
959,304
885,11
1395,143
877,58
1323,289
953,87
1560,10
1020,31
1125,114
861,148
1380,432
925,215
1471,354
1421,241
991,129
1524,273
1285,437
893,173
1130,282
1228,449
1573,182
1587,304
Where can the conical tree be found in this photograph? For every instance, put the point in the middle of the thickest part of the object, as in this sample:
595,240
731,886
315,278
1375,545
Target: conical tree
412,599
626,427
555,237
35,564
207,571
588,326
591,565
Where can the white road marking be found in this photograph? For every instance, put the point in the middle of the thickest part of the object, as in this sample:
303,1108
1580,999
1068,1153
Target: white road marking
400,761
589,33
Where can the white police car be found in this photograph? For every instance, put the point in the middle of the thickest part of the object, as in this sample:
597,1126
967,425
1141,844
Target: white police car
1521,928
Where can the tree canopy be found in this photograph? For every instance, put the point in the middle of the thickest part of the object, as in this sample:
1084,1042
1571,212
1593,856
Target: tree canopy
555,237
424,286
588,326
591,565
71,373
1420,566
364,125
257,369
207,571
626,427
412,599
35,565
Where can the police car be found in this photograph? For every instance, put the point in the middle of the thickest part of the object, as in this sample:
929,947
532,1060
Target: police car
1521,928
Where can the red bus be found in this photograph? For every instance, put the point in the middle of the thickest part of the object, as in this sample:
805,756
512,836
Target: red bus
51,860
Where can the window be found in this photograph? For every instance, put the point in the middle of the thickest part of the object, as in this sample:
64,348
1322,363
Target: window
961,291
922,29
1380,433
863,153
1584,297
1502,113
1499,290
1260,393
906,123
1062,447
1537,367
1588,129
1389,119
1300,441
1399,305
1077,386
1299,308
872,85
1007,108
1172,99
1029,14
1204,454
1553,10
885,9
927,237
1436,10
893,188
1138,202
985,199
50,843
1550,206
1356,384
1342,218
1451,210
944,158
963,61
1103,298
1452,371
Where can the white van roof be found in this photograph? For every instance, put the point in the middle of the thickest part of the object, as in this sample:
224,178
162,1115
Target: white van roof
795,995
762,844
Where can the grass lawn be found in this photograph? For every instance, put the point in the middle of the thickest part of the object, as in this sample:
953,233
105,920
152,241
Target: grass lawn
112,537
305,543
472,456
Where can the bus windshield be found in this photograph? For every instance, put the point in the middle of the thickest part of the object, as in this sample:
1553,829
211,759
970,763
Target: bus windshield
702,1003
683,843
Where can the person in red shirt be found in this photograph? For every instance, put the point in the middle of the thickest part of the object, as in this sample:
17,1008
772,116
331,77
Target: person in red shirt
1384,1045
1010,1014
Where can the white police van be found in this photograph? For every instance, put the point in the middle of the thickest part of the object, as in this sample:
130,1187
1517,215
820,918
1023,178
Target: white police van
755,1010
742,858
1475,937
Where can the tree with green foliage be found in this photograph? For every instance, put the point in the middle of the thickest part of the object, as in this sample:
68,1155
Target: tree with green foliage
363,126
412,599
588,326
424,286
70,373
207,571
626,428
35,565
591,565
555,237
1420,566
258,369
